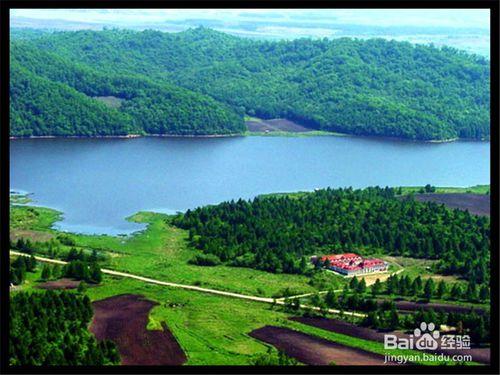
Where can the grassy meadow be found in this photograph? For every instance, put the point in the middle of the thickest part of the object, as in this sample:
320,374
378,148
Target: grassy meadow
212,330
161,251
477,189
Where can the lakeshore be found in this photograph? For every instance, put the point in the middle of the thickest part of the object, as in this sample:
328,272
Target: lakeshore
257,127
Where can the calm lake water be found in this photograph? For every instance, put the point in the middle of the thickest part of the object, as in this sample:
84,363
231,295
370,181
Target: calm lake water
97,183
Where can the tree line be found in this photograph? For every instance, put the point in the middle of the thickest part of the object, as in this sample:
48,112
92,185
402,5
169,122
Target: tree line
429,289
80,266
58,248
278,233
89,272
385,315
477,326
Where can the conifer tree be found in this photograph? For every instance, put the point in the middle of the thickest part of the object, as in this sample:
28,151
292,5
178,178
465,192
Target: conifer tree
429,288
376,287
441,289
46,272
361,287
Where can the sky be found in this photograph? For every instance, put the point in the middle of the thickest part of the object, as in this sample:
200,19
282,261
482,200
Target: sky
474,18
466,29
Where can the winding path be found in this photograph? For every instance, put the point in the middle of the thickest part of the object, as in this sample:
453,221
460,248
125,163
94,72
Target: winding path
191,287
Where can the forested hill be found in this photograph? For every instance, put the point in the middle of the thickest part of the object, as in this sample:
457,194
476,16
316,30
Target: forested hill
52,95
363,87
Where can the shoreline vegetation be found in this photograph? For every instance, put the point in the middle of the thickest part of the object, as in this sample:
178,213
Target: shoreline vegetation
258,127
406,190
128,136
18,198
279,133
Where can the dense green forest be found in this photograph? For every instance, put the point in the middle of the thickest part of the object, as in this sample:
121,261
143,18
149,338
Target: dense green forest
50,328
364,87
41,107
53,96
275,233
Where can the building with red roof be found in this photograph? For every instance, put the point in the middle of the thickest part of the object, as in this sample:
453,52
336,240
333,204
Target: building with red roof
351,264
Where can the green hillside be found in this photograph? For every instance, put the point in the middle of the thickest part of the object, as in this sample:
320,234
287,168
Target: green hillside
51,95
362,87
39,107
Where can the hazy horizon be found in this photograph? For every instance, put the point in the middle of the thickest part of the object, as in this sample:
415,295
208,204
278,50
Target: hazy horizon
466,29
460,18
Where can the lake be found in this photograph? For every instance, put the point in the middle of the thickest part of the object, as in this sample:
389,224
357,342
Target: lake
97,183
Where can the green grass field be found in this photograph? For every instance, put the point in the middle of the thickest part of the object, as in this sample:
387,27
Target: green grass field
161,251
213,330
32,218
414,267
477,189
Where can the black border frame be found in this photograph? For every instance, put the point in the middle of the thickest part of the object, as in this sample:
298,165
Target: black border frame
492,5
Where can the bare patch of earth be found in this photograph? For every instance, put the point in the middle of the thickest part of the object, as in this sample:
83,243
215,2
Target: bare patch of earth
481,355
314,350
60,284
276,125
477,204
32,235
123,319
110,101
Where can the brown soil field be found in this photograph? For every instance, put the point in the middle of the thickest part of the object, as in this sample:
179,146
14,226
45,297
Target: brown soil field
123,319
313,350
33,235
481,355
60,284
276,125
477,204
414,306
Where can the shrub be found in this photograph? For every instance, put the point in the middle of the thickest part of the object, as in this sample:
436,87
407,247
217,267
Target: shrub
205,260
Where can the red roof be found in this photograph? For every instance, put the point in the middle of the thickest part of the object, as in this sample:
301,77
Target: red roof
372,262
348,261
346,256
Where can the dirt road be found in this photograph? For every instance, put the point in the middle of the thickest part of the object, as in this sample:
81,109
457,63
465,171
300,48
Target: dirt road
190,287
